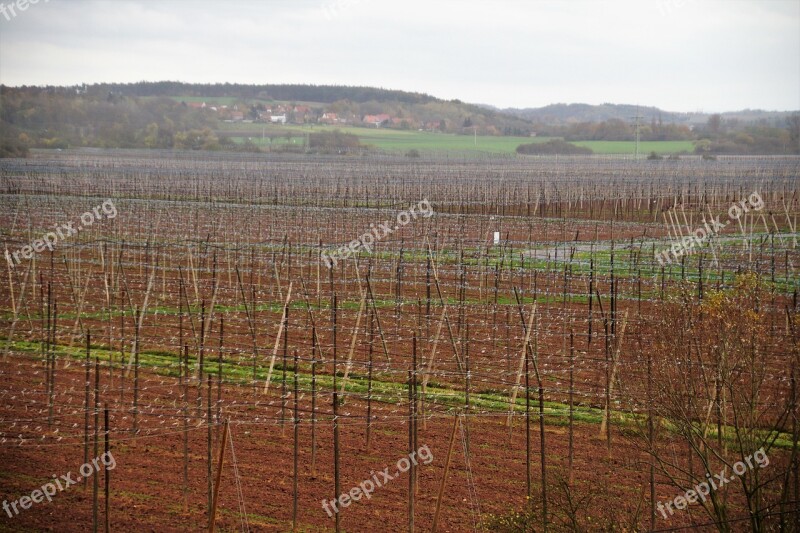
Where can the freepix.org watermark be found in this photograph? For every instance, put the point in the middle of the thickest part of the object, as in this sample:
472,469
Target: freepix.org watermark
334,8
702,490
377,233
10,10
377,480
59,484
62,231
686,244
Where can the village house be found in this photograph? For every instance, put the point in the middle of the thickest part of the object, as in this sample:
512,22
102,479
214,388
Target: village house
376,120
329,118
301,114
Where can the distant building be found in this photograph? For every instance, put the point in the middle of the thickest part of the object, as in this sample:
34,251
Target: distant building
278,119
376,120
329,118
300,114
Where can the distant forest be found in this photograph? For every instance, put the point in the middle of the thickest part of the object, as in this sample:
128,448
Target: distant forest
292,92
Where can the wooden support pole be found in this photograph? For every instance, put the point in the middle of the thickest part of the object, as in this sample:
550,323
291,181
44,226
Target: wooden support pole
296,421
336,453
444,475
96,479
215,502
107,476
278,337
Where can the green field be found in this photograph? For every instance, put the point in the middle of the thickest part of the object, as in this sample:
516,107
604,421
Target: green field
398,140
403,140
384,139
645,147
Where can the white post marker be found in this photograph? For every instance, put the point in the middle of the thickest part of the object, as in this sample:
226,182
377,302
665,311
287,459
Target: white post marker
497,237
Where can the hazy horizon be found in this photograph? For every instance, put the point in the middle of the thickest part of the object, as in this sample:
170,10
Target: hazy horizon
677,55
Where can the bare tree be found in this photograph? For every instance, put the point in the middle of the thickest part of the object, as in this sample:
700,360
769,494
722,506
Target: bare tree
716,403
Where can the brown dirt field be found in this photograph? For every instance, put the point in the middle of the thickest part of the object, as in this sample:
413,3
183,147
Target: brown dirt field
242,229
146,485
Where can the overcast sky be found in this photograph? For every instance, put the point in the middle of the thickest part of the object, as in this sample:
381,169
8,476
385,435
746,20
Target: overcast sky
680,55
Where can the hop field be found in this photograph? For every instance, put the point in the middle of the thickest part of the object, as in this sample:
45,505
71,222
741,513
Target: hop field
560,375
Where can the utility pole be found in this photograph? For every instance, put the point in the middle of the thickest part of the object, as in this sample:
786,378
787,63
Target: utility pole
637,118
